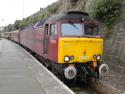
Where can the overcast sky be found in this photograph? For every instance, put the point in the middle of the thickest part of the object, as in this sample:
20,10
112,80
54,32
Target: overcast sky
11,10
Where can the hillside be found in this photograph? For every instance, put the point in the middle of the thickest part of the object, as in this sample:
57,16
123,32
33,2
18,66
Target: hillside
59,6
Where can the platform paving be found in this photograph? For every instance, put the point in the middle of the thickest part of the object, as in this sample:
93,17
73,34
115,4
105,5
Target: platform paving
20,73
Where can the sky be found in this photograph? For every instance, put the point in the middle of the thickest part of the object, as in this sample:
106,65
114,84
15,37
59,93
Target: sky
11,10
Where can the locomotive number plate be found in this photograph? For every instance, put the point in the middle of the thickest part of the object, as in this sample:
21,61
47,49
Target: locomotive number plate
83,57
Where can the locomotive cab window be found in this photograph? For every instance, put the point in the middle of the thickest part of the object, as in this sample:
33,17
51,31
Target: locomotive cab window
91,30
53,31
71,29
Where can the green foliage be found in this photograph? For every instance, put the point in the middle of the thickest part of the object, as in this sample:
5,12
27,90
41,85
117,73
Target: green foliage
22,24
53,8
17,24
44,15
27,21
107,11
9,28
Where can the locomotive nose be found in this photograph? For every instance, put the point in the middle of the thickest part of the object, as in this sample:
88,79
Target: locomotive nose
70,72
103,69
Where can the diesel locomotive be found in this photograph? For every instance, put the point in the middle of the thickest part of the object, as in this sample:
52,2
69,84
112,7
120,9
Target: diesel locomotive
69,42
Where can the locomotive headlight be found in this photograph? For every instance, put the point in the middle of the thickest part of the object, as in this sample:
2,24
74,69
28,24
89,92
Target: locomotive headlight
66,58
98,57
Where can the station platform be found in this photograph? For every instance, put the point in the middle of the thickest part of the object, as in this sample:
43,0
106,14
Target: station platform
20,73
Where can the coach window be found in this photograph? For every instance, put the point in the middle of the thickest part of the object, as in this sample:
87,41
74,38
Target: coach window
53,31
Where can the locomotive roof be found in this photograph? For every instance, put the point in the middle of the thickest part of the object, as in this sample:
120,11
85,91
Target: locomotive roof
70,15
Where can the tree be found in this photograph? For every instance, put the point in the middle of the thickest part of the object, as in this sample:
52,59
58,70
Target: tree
17,24
107,11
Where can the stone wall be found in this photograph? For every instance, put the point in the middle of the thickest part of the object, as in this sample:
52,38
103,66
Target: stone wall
114,48
79,5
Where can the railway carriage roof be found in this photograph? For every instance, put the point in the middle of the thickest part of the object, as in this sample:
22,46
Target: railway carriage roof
71,15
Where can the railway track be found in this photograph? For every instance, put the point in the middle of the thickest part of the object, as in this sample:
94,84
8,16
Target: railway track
83,88
79,87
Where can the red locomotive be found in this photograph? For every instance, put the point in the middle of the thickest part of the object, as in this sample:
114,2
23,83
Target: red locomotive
70,42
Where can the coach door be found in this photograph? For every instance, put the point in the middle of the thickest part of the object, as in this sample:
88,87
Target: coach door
46,36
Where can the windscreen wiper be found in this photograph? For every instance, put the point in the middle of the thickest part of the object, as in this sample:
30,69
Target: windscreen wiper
72,24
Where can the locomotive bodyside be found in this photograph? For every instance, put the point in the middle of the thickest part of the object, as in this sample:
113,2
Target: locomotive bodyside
33,38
